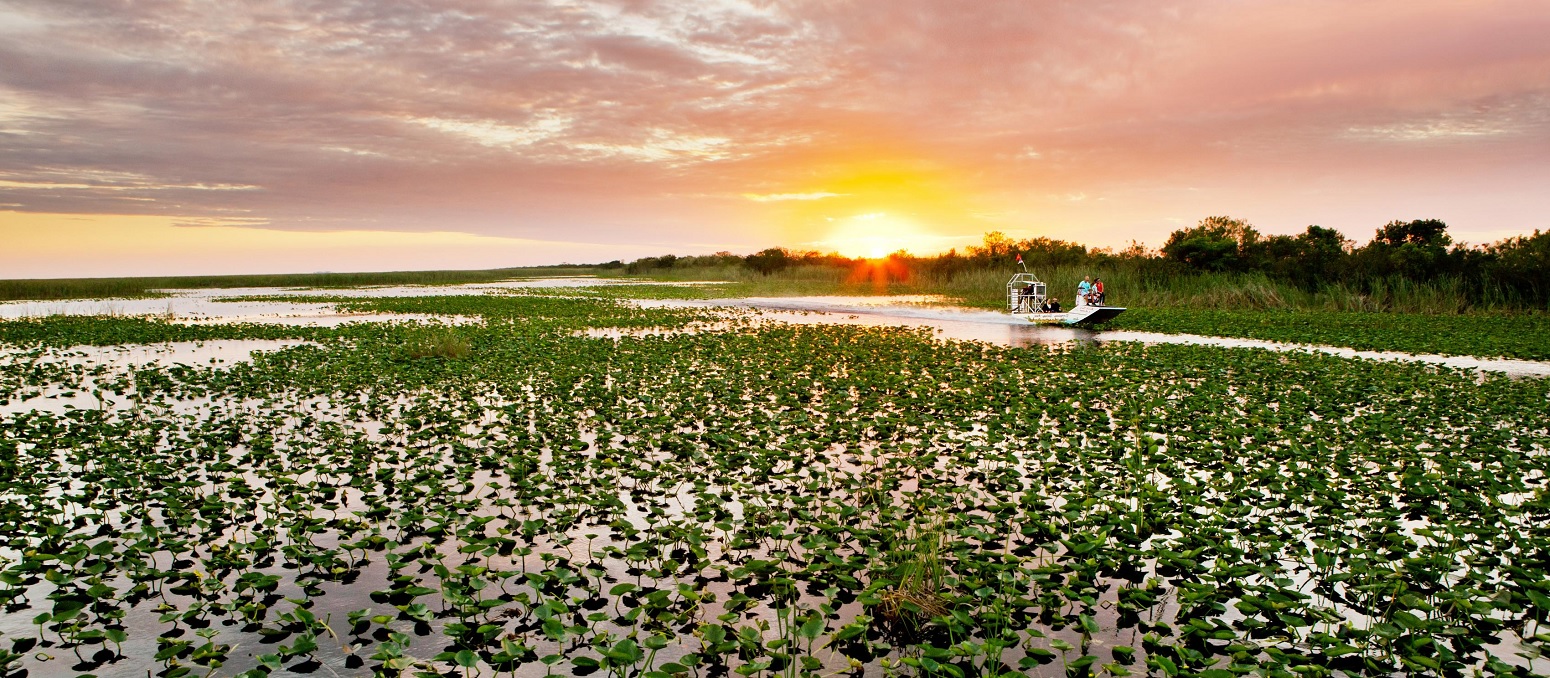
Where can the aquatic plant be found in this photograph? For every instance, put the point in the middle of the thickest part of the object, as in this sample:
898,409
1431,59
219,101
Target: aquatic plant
765,500
437,343
1523,335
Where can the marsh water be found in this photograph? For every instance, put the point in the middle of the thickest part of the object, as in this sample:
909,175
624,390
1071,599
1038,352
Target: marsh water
637,503
950,322
931,312
267,304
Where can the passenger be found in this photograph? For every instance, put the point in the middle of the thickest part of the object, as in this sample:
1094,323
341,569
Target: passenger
1052,306
1097,291
1025,298
1083,289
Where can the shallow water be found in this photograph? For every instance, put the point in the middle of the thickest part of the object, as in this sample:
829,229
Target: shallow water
210,306
171,353
216,305
635,498
1008,330
206,306
1516,368
201,307
104,363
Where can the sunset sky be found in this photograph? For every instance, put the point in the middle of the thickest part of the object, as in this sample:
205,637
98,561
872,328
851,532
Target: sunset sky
211,136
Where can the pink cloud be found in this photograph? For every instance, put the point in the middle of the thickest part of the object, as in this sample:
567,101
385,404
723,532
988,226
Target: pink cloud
645,121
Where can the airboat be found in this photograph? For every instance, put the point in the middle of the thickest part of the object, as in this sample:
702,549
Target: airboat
1026,296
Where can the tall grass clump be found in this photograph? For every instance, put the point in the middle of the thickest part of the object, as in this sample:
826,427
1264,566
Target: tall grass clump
919,580
438,343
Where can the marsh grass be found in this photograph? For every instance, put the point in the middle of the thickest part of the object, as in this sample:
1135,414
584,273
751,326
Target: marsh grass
921,586
437,343
986,288
976,287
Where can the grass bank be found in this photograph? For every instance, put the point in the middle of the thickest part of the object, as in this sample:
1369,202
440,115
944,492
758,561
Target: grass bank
975,287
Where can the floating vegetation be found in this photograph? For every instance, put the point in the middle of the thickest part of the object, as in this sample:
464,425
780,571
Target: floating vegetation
794,500
65,331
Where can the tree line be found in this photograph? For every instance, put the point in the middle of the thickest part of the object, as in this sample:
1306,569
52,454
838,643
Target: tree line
1514,271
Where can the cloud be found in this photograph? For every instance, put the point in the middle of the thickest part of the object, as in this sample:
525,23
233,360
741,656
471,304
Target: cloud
113,183
497,135
638,118
1429,131
779,197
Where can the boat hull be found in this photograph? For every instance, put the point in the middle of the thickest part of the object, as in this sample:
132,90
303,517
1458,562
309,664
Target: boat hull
1081,316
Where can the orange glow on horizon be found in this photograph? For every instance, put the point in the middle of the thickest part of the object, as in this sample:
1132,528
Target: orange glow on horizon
41,245
879,273
872,209
875,235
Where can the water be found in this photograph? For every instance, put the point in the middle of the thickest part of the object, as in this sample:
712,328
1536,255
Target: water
170,353
1008,330
105,363
1516,368
200,306
916,311
205,306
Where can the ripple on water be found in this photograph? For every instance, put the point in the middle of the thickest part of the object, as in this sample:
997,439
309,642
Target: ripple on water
114,361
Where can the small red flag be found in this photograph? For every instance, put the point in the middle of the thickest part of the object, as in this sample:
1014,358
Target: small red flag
1019,257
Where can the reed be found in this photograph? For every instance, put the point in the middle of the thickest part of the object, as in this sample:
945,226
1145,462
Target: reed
979,287
920,589
438,343
1125,286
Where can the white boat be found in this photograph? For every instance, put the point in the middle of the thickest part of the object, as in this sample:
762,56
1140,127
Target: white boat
1025,293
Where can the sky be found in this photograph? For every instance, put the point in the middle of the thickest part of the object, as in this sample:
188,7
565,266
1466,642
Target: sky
164,137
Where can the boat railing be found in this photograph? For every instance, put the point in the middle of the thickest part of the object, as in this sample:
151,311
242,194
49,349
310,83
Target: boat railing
1025,293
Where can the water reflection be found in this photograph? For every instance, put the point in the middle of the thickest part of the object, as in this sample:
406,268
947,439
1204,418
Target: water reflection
223,305
1008,330
99,364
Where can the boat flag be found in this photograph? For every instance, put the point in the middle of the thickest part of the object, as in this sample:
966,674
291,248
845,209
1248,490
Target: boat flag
1019,257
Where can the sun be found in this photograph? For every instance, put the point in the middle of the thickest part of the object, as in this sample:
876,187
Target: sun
875,235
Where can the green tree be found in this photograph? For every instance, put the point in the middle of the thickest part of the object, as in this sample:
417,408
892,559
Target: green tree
651,263
1320,255
1520,266
1426,233
1417,250
1050,252
1216,244
768,261
995,246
